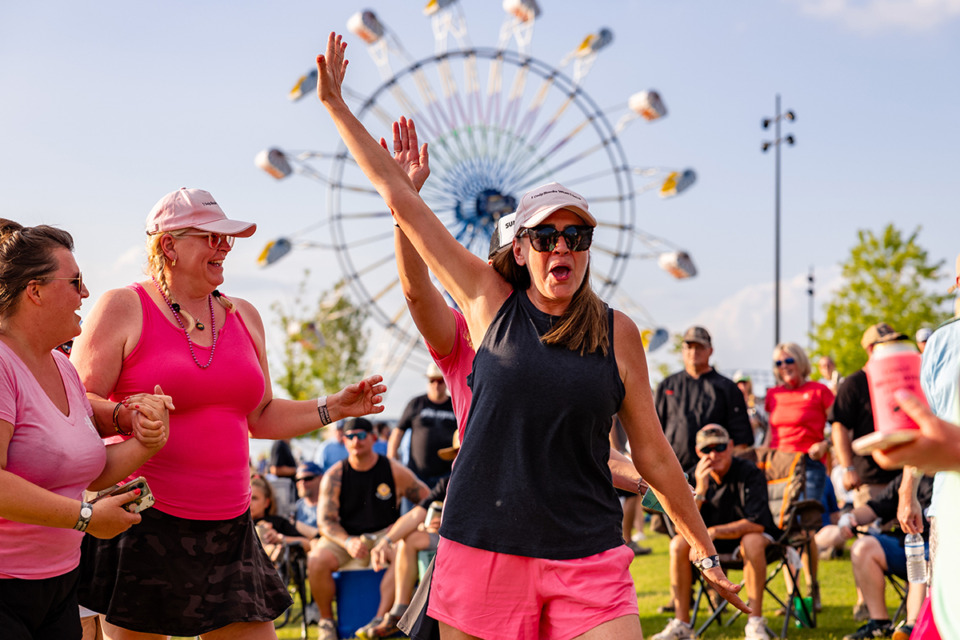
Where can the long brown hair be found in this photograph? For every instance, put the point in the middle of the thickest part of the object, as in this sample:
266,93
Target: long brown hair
26,253
583,326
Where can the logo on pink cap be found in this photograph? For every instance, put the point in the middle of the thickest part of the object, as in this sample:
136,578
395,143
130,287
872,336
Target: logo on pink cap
194,209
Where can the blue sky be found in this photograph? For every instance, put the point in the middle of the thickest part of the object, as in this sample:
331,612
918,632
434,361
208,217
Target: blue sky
108,106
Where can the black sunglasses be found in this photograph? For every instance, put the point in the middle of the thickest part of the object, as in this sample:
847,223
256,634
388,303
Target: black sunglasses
305,478
545,238
359,435
707,450
777,363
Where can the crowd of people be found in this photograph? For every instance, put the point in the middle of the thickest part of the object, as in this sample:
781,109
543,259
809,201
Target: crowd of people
532,372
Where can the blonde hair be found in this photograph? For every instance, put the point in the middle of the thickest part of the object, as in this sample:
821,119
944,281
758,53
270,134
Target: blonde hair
796,352
157,268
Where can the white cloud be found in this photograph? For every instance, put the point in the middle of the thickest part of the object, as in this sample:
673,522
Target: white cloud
870,16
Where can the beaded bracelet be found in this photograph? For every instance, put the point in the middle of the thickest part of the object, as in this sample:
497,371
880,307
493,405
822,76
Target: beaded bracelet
116,421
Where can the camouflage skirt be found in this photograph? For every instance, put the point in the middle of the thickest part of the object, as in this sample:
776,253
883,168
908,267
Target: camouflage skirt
181,577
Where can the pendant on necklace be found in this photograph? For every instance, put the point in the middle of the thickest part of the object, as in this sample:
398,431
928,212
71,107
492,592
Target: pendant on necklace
199,325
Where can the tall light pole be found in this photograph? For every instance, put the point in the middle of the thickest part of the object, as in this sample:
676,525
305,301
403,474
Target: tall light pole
789,139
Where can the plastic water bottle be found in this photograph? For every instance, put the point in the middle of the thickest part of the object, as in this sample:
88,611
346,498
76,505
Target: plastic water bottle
916,563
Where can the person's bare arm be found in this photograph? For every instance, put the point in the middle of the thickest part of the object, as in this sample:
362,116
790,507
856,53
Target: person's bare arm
734,530
625,475
279,418
477,290
654,458
408,485
844,450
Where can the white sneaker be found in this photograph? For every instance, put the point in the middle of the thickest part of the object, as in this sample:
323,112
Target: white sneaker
756,629
675,630
312,614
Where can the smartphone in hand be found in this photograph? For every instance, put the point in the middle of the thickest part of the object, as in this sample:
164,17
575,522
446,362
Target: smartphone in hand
137,503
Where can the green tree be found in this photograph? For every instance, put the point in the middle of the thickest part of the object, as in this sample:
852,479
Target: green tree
323,342
887,278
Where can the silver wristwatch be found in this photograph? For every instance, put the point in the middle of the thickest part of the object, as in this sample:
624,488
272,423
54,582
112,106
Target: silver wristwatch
707,563
86,512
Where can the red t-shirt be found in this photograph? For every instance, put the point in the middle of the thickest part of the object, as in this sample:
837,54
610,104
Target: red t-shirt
798,416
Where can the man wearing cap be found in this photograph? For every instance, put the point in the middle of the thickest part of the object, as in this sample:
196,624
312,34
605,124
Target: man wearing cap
359,501
331,450
923,334
696,396
432,424
758,419
308,488
852,418
731,494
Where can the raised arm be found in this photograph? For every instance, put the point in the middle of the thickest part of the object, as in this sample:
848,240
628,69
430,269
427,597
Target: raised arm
477,290
434,319
654,458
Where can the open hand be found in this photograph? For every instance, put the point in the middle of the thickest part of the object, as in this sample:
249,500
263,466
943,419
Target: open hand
416,163
362,398
331,69
718,580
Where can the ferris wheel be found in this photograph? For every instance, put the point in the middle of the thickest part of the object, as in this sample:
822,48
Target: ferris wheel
499,122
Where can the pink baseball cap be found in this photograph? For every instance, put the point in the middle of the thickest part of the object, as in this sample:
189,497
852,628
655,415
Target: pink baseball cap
194,209
537,204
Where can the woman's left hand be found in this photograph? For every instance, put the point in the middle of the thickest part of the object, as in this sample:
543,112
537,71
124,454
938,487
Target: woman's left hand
363,398
718,580
817,451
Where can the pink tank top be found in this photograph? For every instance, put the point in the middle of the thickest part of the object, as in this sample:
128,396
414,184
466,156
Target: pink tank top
62,454
203,472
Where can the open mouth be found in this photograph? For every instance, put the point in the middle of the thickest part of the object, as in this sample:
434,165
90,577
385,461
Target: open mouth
561,273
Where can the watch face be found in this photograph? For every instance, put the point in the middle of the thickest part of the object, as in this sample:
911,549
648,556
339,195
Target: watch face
86,512
707,563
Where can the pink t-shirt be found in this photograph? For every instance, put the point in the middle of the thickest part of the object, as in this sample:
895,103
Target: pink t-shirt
456,366
203,472
798,416
62,454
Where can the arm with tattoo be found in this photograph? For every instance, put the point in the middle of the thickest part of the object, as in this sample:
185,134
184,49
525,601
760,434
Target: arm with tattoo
408,485
328,509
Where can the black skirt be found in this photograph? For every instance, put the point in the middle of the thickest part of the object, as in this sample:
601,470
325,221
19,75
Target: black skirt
181,577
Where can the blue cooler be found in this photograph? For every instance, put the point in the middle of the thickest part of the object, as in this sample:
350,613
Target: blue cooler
358,598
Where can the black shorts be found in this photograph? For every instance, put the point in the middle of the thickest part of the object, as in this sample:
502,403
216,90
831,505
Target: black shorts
43,609
181,577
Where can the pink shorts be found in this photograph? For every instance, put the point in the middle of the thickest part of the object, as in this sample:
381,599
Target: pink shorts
497,595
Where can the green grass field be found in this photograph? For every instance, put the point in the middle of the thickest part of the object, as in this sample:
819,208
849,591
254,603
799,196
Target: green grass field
653,589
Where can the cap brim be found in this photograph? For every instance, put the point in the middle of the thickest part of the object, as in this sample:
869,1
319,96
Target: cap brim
711,441
228,227
543,214
449,453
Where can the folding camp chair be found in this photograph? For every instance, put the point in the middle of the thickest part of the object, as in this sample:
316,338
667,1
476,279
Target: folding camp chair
797,520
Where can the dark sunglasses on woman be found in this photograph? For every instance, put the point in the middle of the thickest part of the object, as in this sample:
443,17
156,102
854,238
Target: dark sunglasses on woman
545,238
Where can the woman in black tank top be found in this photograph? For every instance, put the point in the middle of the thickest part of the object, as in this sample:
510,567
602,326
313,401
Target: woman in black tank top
554,364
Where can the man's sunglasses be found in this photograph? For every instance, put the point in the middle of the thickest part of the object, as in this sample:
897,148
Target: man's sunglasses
305,478
546,237
77,282
707,450
356,435
778,363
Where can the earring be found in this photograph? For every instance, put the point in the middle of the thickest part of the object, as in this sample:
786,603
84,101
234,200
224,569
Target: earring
173,263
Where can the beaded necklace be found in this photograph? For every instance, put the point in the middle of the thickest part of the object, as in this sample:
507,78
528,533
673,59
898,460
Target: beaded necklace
175,308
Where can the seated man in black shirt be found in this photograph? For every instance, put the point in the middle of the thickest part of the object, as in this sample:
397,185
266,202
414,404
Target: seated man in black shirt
359,500
732,496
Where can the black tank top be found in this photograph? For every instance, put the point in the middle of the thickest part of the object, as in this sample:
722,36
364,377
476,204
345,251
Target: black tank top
368,499
531,478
